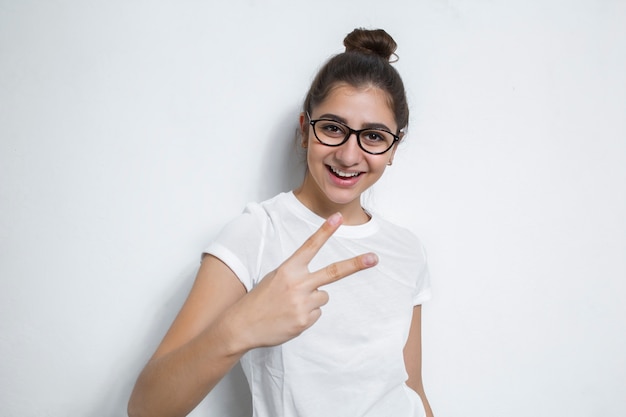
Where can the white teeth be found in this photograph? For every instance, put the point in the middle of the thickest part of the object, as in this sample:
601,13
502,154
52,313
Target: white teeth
344,174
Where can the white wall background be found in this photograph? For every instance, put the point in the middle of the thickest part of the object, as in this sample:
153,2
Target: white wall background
131,131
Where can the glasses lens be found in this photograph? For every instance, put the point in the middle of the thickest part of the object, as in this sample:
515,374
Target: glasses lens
376,141
329,132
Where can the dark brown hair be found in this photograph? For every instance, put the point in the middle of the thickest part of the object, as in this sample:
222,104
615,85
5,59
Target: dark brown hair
364,63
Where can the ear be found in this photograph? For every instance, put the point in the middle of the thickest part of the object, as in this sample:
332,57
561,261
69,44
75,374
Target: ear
304,130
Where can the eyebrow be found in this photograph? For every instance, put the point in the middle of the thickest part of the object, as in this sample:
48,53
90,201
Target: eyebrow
344,121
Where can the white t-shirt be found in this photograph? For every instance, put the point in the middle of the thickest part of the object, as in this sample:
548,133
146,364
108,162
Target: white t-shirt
350,362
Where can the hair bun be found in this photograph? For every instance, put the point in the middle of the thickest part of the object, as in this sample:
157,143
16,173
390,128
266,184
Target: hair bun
375,42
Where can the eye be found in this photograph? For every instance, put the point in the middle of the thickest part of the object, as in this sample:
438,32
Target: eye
332,129
374,136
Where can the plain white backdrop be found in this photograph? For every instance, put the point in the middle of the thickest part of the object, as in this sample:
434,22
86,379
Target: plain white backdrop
132,131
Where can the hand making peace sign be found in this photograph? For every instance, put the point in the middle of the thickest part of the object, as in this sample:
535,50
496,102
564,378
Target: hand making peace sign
287,301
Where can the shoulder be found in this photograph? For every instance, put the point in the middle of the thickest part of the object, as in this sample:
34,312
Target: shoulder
258,218
241,242
251,220
264,214
265,208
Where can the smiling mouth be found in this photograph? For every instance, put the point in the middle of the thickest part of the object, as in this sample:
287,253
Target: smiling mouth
343,174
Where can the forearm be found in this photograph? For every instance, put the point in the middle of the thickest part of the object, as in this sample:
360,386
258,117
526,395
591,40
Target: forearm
173,384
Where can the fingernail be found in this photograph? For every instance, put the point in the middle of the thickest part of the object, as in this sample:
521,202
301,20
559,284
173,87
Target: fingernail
370,259
334,219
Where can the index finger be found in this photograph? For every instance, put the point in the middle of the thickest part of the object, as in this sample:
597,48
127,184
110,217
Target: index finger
312,245
338,270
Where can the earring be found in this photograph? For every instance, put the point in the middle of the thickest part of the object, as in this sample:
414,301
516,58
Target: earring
390,163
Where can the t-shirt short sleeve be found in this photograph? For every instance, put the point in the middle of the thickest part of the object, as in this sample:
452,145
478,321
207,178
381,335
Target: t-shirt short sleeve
240,243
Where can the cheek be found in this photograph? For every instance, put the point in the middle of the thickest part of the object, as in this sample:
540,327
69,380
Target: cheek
378,164
315,160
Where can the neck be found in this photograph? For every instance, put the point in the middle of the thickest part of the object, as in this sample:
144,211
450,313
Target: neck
315,200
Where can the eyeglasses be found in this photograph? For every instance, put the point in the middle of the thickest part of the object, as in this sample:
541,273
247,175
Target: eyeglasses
334,133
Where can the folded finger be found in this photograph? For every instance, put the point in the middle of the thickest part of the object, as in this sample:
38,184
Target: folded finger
319,298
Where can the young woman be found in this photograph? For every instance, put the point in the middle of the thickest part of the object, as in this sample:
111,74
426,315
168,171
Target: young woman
319,298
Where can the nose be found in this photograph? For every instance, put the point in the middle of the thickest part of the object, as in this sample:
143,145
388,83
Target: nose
349,153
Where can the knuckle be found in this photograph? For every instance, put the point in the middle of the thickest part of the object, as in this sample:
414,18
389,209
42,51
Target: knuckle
300,323
332,272
315,315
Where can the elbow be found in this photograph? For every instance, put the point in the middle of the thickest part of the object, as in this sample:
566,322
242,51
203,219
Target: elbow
134,407
134,410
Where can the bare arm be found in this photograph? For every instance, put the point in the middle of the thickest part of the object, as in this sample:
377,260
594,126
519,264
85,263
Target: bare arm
219,322
413,358
197,351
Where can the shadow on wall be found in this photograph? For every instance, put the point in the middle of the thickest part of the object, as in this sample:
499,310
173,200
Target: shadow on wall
282,168
284,160
125,369
230,398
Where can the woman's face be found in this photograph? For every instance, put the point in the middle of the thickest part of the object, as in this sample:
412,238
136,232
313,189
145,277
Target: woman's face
337,176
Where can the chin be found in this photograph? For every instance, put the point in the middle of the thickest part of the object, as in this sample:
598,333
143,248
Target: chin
343,197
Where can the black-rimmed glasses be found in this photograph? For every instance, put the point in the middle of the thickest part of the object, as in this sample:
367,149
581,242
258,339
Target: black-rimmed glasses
331,132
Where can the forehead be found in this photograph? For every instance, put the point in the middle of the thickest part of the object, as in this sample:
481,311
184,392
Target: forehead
358,105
